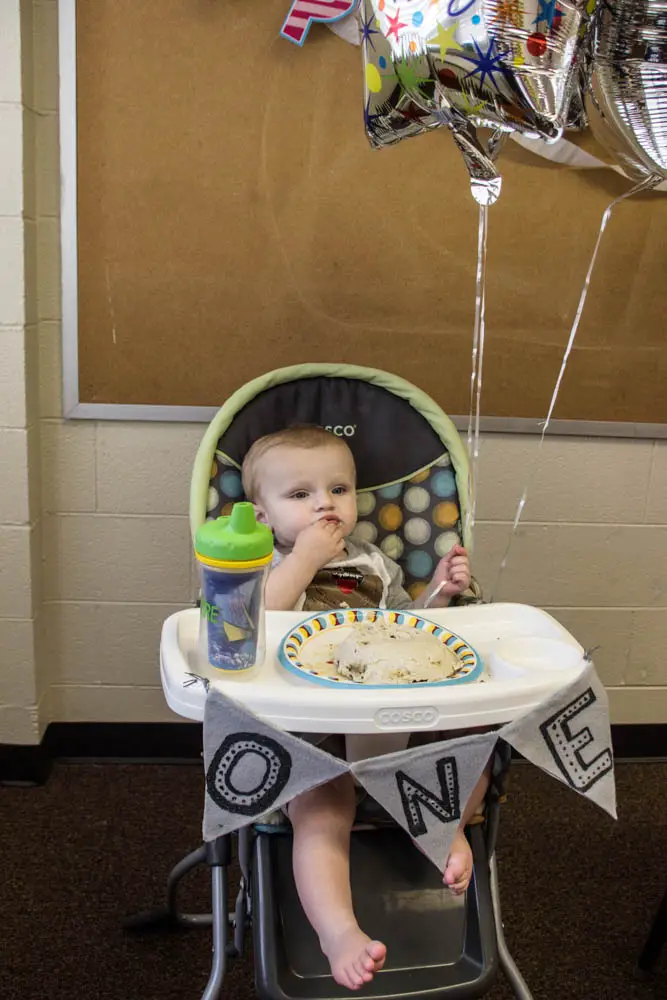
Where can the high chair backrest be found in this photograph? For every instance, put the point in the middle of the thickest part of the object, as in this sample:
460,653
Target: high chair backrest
412,468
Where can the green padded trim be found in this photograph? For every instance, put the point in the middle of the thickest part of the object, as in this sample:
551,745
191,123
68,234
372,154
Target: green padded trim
439,421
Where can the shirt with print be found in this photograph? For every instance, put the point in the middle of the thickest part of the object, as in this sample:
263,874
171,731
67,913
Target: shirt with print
363,577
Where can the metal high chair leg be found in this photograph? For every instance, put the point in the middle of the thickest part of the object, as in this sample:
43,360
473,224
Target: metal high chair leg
178,872
169,917
219,855
242,906
496,794
507,963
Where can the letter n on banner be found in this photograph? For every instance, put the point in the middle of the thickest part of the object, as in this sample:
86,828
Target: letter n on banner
445,806
252,767
426,789
302,13
569,737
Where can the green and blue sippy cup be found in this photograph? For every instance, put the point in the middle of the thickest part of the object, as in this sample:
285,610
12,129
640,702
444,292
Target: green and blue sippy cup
234,554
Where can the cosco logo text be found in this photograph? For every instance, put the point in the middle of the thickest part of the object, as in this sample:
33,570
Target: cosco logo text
394,718
342,430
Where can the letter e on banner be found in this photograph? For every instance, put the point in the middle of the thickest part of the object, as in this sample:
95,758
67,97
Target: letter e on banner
568,736
302,13
566,746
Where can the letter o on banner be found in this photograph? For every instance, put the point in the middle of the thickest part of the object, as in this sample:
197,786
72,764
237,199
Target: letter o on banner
247,774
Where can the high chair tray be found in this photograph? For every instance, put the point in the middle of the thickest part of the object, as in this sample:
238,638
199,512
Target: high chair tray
527,654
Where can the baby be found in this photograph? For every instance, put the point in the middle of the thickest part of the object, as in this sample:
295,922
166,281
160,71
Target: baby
303,483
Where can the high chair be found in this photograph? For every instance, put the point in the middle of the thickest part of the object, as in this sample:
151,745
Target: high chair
413,500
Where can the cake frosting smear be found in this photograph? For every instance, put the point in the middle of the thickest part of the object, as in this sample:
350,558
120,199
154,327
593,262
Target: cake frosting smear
380,653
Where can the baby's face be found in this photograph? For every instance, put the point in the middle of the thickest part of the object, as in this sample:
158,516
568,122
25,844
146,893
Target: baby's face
299,486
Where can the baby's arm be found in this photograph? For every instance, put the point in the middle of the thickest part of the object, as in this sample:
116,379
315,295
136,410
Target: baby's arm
317,545
287,582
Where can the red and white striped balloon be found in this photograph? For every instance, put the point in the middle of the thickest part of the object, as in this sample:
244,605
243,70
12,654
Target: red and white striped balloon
302,13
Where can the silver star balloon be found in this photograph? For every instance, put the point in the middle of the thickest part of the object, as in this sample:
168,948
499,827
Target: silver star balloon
508,65
627,99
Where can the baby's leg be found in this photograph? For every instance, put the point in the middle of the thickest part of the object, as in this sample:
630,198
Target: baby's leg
459,862
322,820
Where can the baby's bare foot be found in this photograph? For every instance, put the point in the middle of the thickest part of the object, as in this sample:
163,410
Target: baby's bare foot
353,957
459,865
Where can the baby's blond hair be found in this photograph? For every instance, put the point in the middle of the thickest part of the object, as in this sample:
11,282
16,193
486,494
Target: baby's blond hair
297,436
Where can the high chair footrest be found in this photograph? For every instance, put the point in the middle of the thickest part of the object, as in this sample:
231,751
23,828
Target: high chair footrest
438,945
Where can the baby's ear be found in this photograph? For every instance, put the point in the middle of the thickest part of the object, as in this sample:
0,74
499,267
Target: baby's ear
260,515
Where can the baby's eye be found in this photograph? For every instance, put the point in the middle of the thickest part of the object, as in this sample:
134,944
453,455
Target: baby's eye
338,490
299,495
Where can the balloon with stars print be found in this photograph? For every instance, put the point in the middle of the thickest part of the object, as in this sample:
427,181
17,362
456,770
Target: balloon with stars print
507,65
548,12
390,114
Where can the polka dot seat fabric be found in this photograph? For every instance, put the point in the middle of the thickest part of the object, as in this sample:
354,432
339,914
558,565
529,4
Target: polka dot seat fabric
414,522
412,479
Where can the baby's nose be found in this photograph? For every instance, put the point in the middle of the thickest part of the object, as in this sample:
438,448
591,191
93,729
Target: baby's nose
324,502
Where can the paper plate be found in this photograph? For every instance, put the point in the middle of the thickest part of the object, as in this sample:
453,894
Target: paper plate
305,649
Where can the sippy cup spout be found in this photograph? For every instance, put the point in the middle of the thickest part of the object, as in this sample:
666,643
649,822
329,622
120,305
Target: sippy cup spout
243,518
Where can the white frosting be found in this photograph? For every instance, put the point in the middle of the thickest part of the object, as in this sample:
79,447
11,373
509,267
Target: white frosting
379,653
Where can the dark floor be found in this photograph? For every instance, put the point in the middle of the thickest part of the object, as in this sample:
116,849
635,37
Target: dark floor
96,842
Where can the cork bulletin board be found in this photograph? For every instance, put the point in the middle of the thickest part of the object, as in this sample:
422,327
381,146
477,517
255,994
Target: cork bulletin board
228,217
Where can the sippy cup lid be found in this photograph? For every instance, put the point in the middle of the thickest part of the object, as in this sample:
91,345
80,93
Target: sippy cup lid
229,542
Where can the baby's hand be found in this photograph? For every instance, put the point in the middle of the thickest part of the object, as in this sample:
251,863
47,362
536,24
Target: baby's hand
319,543
453,571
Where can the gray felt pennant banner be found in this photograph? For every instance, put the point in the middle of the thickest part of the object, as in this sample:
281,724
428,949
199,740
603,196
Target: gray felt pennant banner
569,737
253,767
426,789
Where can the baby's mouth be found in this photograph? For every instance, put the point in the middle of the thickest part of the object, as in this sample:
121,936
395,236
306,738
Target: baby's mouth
331,517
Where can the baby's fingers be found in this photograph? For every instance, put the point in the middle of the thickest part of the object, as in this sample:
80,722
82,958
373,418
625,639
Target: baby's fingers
458,558
459,566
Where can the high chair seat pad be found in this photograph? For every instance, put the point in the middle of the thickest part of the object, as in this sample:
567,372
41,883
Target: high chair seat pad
358,411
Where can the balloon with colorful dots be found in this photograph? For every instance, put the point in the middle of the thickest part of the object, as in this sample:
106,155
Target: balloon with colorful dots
508,65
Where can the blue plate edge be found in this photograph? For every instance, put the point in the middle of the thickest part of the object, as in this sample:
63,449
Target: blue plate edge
325,682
